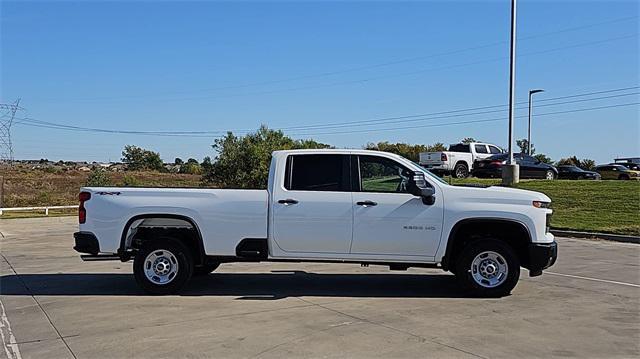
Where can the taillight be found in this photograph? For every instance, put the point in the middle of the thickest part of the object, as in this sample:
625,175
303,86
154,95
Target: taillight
497,163
82,212
443,157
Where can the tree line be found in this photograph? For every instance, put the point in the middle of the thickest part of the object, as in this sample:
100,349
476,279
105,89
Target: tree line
243,161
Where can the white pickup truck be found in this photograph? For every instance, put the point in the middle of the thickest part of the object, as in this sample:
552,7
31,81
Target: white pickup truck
460,158
346,206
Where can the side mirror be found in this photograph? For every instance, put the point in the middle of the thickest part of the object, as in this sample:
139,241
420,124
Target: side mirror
418,187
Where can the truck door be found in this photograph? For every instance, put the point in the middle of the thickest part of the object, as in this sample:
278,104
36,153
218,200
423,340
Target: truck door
387,219
312,210
481,151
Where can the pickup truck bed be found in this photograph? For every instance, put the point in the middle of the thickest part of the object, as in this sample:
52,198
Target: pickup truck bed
223,216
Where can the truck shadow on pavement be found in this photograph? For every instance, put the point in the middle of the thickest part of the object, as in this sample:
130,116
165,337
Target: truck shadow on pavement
245,286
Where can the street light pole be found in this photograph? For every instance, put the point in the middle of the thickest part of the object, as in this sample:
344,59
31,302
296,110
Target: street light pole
531,92
511,172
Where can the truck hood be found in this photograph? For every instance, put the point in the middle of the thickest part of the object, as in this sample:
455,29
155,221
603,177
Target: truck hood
498,194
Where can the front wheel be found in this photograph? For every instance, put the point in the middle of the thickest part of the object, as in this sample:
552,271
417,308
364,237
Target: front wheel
163,266
488,268
550,175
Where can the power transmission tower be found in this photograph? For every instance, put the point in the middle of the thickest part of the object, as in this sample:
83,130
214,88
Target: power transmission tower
8,114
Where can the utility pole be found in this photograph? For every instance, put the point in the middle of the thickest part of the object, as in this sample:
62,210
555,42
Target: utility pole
511,171
6,120
531,92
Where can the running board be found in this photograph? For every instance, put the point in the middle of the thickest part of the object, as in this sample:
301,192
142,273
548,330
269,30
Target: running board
100,257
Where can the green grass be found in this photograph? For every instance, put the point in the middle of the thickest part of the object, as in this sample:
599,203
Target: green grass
592,206
382,184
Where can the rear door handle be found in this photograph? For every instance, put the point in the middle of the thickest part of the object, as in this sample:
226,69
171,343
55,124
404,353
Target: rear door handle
288,201
366,203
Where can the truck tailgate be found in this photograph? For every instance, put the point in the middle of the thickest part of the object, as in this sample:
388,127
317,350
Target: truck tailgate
431,158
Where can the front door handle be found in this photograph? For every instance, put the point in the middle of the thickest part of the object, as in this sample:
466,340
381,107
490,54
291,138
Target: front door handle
366,203
288,201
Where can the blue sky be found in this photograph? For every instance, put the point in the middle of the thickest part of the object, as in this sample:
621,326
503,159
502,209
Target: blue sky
218,66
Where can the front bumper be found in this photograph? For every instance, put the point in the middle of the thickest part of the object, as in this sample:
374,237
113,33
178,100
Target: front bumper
86,242
541,256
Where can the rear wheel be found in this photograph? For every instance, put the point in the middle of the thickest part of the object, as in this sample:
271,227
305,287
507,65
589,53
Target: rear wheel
623,177
163,266
488,268
461,170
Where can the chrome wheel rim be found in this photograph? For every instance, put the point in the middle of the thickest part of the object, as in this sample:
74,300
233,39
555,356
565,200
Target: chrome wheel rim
161,267
549,175
489,269
460,172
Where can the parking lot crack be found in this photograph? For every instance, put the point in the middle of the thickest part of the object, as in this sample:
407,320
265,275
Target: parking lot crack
386,326
39,306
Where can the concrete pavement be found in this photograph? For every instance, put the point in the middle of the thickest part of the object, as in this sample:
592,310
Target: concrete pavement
587,305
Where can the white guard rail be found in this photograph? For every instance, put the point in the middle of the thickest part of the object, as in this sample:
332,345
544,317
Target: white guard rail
45,209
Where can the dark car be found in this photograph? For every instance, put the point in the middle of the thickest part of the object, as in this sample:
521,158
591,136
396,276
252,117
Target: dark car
616,171
576,173
630,165
530,167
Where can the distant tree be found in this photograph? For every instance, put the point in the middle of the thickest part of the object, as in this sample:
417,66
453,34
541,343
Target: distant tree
572,161
243,161
409,151
206,164
98,178
137,159
524,144
543,158
587,164
191,167
178,161
468,140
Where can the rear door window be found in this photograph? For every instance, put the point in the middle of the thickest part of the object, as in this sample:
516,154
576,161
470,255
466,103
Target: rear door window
481,149
494,149
318,172
460,147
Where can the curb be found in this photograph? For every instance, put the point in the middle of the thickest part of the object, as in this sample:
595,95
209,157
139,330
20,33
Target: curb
606,236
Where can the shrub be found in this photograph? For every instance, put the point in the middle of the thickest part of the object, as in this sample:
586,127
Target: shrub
98,178
130,181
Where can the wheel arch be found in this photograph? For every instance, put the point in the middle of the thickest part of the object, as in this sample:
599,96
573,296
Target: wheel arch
199,256
456,239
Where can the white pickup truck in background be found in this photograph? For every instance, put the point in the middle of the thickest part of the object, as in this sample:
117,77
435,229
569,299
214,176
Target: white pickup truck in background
460,158
347,206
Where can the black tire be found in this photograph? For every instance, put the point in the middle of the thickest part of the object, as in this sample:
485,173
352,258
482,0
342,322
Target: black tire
624,177
465,268
580,177
164,248
205,269
461,170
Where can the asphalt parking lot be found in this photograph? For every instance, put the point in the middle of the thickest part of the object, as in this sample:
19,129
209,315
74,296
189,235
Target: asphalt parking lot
56,306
